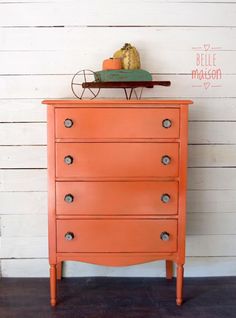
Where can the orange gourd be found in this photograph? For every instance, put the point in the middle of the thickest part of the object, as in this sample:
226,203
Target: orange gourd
112,64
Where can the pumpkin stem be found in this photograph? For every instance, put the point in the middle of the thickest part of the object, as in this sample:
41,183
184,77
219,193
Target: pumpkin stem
126,46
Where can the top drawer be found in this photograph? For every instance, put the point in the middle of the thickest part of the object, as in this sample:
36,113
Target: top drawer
102,123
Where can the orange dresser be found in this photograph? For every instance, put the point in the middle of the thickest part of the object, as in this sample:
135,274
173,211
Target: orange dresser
117,183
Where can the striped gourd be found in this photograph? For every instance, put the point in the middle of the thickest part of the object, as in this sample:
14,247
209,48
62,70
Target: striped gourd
130,57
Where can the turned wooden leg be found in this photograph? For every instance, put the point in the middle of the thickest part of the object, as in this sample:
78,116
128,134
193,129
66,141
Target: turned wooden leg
169,269
179,284
59,270
53,285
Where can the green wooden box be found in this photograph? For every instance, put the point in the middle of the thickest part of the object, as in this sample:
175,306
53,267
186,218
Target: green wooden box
123,76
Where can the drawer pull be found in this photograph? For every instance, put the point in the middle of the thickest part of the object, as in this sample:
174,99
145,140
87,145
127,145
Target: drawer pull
69,236
68,160
165,236
68,123
166,123
69,198
165,198
166,160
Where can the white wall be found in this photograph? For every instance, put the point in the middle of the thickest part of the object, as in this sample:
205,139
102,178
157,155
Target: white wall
43,43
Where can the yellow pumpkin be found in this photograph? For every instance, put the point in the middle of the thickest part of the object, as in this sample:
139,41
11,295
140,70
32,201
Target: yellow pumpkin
130,57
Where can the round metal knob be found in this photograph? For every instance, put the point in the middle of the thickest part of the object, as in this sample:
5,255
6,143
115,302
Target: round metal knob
165,198
69,198
166,160
165,236
166,123
68,160
68,123
69,236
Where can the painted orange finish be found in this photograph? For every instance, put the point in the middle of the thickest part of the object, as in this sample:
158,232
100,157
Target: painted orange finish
110,236
114,214
59,270
116,259
119,123
117,160
169,269
179,289
117,198
53,286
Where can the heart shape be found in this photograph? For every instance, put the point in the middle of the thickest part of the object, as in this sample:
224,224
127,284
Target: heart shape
207,46
206,85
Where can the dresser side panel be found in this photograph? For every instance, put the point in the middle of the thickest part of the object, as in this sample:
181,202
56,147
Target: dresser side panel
183,155
51,185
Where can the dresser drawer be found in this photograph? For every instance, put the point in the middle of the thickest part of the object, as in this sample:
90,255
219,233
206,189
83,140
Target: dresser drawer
117,198
116,160
117,123
116,236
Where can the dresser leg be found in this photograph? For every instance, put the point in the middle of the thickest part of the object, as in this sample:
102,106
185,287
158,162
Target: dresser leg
53,285
169,269
179,284
59,270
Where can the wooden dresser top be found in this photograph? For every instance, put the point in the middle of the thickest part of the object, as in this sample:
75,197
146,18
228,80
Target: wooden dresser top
120,102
